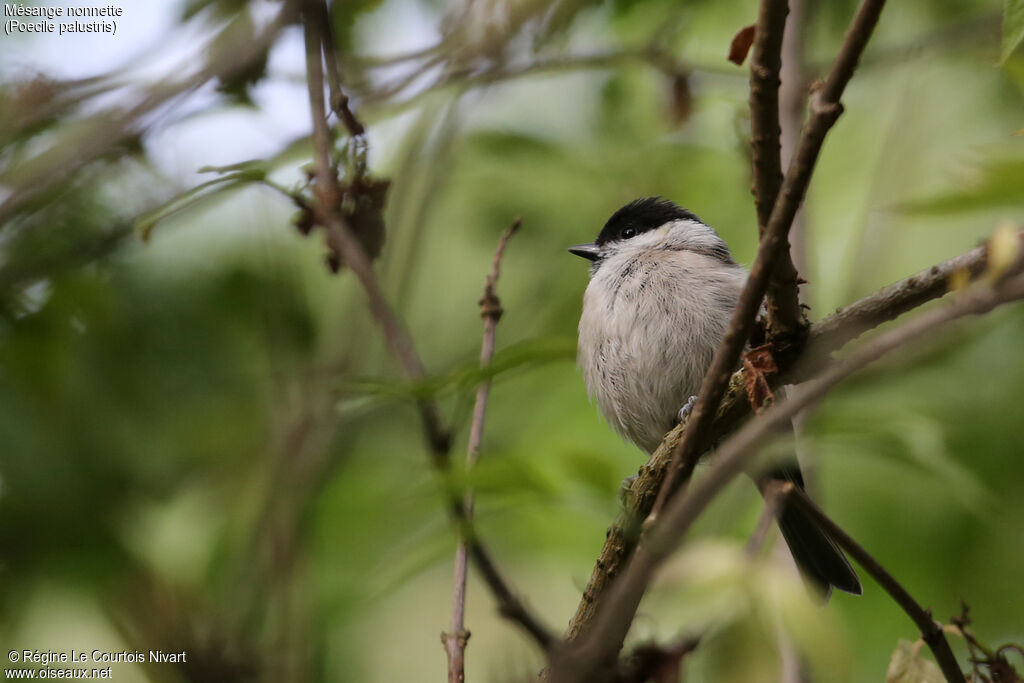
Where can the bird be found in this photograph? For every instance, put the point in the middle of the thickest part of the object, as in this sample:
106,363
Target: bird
662,290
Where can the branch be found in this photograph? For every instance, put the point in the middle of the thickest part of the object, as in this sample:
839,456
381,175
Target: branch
931,632
772,505
339,100
466,78
765,131
619,607
340,237
792,108
785,318
400,344
827,336
825,110
490,310
849,322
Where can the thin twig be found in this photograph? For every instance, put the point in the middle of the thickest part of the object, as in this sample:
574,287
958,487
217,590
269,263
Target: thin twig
888,303
466,78
825,110
618,608
792,107
764,523
785,317
490,310
931,632
339,100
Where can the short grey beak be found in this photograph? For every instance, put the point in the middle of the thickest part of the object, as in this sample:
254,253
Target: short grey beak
591,252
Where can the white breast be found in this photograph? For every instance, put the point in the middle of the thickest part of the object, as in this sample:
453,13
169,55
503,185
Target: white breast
651,322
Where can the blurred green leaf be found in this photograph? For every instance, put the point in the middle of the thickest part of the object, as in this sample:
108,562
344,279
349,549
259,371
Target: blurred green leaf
601,476
253,173
236,82
995,183
344,16
256,169
469,375
1013,26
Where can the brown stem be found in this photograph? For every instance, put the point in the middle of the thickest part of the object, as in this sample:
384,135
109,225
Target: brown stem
931,631
888,303
340,237
765,131
490,310
785,317
600,645
457,636
339,100
792,107
464,78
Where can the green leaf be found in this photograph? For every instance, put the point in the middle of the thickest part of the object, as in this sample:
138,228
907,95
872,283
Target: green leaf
469,375
995,184
1013,26
146,223
256,169
344,16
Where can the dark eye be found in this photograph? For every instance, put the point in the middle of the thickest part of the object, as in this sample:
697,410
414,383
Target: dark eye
628,232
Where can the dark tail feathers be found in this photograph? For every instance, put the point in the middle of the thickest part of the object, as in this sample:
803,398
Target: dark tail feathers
821,562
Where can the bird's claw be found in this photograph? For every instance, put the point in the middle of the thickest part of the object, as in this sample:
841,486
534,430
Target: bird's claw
687,408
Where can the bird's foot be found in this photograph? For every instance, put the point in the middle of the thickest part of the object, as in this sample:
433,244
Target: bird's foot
687,408
626,491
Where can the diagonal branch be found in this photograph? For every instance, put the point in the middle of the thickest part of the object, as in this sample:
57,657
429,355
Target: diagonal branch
849,322
616,614
399,342
340,236
490,310
785,317
793,94
339,100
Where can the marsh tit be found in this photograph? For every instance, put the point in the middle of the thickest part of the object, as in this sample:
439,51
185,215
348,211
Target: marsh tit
663,286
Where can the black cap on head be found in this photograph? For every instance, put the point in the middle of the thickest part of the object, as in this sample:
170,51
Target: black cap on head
640,216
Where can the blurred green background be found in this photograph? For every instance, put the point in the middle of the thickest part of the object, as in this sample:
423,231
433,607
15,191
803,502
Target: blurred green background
204,446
